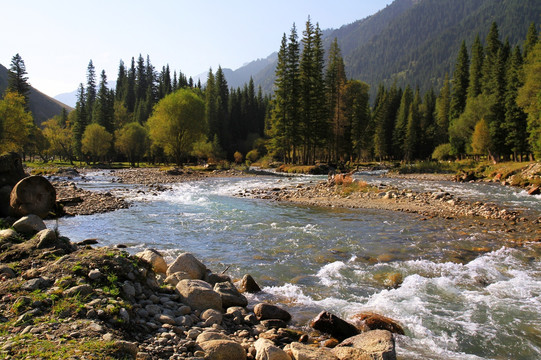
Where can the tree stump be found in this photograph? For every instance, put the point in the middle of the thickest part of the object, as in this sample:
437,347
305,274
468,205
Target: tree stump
32,195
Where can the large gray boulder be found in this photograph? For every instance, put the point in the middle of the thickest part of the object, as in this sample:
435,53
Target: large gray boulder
32,195
199,295
155,259
300,351
266,350
223,350
30,224
187,263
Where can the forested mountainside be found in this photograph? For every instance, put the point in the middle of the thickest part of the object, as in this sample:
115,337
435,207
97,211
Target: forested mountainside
42,106
415,41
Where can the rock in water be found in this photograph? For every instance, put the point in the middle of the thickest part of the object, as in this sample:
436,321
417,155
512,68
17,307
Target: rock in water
372,321
188,263
249,285
32,195
375,344
333,325
265,311
230,295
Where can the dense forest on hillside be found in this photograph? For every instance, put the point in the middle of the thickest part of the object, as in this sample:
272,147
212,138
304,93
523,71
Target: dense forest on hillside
489,106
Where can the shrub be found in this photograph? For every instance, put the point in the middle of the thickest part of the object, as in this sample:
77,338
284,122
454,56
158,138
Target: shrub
252,155
238,157
442,152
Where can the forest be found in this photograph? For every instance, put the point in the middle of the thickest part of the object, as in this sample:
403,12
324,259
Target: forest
490,106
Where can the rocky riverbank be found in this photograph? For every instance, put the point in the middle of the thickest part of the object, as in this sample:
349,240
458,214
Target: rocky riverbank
80,302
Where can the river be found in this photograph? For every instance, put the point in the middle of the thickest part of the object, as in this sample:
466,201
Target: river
464,293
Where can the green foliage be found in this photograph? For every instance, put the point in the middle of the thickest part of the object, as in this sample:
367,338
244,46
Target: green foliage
132,141
96,141
481,141
177,122
442,152
17,79
252,156
15,122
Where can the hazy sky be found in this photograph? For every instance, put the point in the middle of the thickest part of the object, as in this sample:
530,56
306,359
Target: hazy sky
56,39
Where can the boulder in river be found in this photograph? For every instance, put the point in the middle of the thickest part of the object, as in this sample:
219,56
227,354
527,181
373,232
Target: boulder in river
249,285
230,295
188,263
264,311
372,321
32,195
376,344
199,295
333,325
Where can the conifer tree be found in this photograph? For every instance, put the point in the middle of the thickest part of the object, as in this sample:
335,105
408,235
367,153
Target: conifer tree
103,112
121,82
532,37
335,81
80,120
476,68
442,112
130,88
492,46
460,83
90,89
18,79
222,103
413,129
401,125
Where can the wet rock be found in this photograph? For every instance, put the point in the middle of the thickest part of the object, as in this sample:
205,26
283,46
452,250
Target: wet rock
333,325
199,295
535,190
223,350
230,295
33,195
299,351
372,321
187,263
211,317
375,344
30,224
264,311
274,324
249,285
214,279
266,350
155,259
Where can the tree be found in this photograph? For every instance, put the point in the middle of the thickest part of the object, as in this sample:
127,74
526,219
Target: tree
356,112
335,81
443,103
481,138
17,79
80,120
529,97
59,137
96,142
401,125
460,83
90,89
476,68
177,122
461,129
15,122
103,112
531,39
132,141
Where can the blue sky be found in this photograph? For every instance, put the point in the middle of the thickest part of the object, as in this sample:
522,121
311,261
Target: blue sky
57,38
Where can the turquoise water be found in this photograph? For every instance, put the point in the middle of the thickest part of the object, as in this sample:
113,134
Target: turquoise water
463,296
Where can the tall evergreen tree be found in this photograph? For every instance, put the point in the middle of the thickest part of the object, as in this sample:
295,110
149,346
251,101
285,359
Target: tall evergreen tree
492,46
90,89
80,120
401,125
335,81
476,68
130,88
413,129
442,112
121,82
222,103
103,112
532,37
460,83
18,79
515,117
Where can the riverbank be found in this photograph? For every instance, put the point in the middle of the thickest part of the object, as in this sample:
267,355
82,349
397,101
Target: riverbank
66,300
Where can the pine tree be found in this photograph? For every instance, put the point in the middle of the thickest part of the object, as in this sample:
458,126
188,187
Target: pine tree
497,120
515,118
17,79
121,82
460,83
493,45
413,129
90,89
476,68
130,88
442,112
532,38
222,103
80,120
335,81
211,106
140,80
401,125
103,112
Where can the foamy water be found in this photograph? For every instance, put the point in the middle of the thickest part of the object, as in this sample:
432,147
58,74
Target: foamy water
454,303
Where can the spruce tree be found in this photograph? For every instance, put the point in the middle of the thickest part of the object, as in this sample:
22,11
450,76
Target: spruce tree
335,81
460,83
90,89
130,88
17,79
222,103
476,68
399,132
532,37
80,120
103,112
492,46
443,103
121,82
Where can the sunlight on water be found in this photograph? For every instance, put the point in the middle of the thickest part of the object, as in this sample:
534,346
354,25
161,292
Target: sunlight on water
453,301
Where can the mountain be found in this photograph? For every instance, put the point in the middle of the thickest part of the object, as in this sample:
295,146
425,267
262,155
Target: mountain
42,106
415,41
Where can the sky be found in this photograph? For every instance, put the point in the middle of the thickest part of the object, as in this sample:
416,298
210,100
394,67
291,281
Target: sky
57,38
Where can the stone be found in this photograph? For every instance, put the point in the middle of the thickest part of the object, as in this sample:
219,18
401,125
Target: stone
249,285
124,314
214,279
30,224
46,239
95,274
199,295
223,350
165,319
125,349
378,344
264,311
300,351
230,295
174,278
333,325
34,284
11,172
211,317
211,335
266,350
33,195
187,263
128,289
6,272
155,259
534,190
7,234
81,290
372,321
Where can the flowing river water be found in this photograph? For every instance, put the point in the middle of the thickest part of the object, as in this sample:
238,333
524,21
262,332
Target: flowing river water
464,293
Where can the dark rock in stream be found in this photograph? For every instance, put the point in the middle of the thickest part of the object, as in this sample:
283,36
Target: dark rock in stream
333,325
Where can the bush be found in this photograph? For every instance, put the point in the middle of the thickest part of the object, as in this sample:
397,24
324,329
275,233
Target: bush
238,157
252,155
442,152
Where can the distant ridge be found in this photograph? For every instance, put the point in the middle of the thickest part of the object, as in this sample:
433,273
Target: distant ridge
43,107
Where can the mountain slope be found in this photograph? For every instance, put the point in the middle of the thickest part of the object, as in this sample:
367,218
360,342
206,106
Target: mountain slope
42,106
416,41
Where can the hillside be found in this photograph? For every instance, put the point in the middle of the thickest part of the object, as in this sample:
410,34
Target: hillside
42,106
416,41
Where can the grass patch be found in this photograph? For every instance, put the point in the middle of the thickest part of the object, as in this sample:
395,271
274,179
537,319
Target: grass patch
349,187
